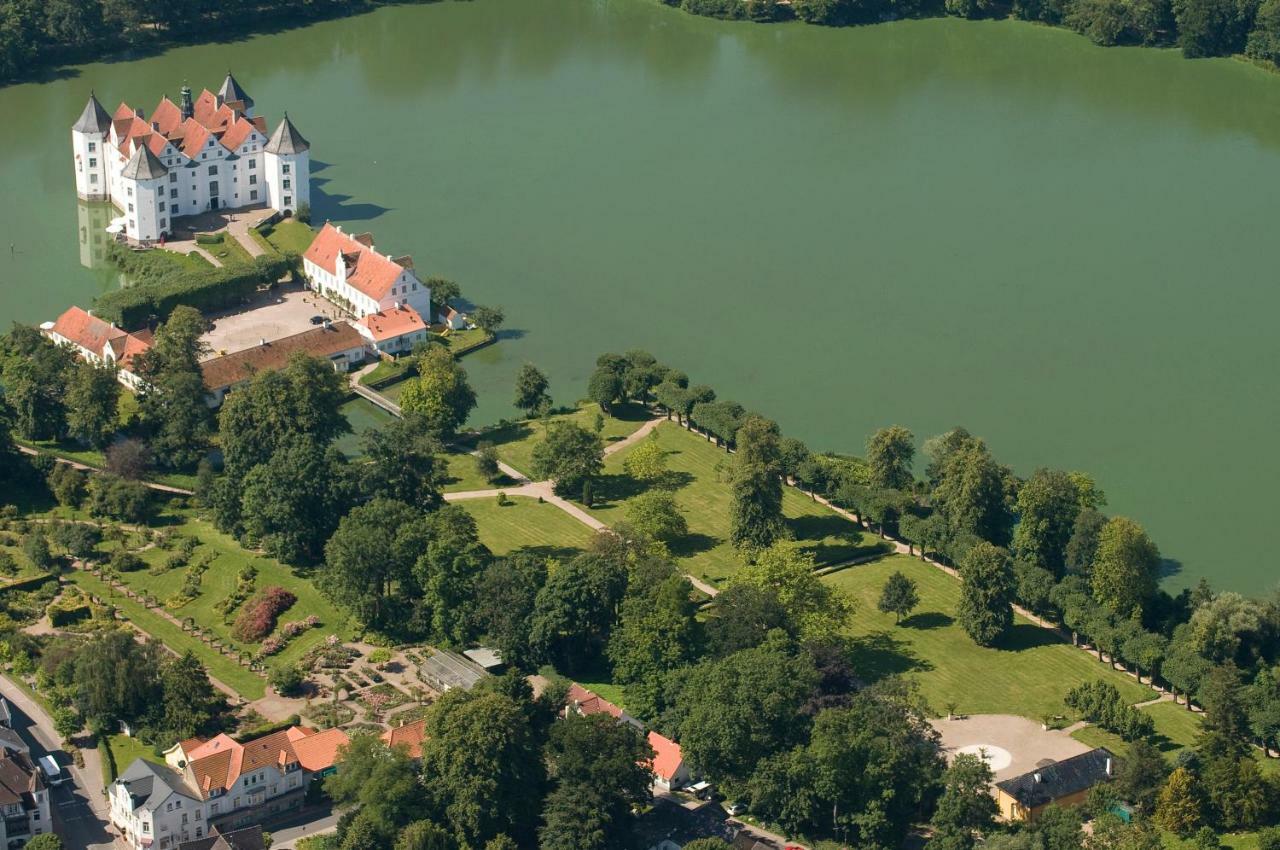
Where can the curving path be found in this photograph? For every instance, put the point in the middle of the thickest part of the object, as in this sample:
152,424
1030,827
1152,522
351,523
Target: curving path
75,464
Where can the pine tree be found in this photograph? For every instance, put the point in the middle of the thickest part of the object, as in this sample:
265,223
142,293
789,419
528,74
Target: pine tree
1180,808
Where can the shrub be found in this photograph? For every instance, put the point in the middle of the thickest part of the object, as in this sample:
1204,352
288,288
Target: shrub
8,564
124,561
287,680
258,618
380,656
244,589
117,498
1099,702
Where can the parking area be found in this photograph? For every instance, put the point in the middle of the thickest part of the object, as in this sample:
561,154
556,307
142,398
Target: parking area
282,312
1011,745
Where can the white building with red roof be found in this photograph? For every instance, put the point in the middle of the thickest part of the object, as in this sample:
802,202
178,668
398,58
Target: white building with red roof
669,769
100,342
348,269
394,331
210,153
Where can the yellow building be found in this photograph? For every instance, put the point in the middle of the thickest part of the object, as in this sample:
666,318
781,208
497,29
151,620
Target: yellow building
1063,783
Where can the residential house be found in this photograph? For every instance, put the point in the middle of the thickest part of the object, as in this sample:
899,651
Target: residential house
219,784
1062,783
11,740
249,838
337,342
393,332
100,342
451,318
407,735
669,769
584,702
24,799
348,269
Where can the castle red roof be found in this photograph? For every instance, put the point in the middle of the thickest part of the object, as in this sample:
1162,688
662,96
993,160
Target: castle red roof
367,270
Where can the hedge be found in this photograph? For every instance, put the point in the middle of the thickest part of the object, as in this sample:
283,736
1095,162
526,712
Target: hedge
205,289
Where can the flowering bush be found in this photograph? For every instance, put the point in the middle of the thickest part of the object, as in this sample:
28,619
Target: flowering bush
257,618
293,628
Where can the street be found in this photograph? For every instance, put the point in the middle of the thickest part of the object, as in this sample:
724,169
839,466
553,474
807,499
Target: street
74,818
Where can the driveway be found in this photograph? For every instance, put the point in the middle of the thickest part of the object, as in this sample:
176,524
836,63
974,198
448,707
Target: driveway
74,804
1013,745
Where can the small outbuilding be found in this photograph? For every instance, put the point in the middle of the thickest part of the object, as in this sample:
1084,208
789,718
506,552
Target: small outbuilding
1064,783
445,670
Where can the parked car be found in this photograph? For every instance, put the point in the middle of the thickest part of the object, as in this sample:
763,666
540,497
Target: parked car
52,771
317,320
735,809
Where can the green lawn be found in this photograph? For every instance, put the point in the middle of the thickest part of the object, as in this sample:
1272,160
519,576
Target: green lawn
216,584
1176,730
526,525
227,250
464,476
123,751
515,441
1233,840
698,477
460,342
1028,675
291,235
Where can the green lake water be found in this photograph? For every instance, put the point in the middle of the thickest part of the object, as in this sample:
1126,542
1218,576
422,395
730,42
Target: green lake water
1070,250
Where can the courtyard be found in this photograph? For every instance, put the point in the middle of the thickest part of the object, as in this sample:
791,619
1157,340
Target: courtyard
280,312
1011,745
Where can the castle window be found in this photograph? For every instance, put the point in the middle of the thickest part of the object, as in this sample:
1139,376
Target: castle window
129,191
130,207
173,177
173,193
253,180
288,184
93,162
132,224
287,200
253,194
203,155
164,224
213,169
286,168
93,147
253,163
93,178
162,206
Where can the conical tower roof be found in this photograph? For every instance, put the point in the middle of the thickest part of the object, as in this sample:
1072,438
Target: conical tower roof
94,119
231,90
287,139
143,165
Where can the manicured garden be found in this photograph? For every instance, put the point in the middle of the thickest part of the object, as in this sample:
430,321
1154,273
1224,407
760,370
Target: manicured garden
291,235
698,478
526,525
1028,675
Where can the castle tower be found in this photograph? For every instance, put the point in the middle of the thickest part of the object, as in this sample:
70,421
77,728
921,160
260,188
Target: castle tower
143,179
231,92
288,168
88,136
186,108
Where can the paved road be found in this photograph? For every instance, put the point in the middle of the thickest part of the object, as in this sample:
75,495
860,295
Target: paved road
76,804
283,837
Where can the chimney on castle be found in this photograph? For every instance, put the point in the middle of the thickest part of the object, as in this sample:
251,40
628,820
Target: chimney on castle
187,109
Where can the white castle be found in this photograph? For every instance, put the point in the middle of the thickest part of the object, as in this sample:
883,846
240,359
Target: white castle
210,154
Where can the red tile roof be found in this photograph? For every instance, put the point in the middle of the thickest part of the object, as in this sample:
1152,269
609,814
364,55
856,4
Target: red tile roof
667,757
194,137
167,116
204,107
410,735
587,703
396,322
89,332
319,751
236,134
124,110
367,270
319,342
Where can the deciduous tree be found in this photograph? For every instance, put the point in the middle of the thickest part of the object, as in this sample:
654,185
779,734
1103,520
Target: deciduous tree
966,806
92,395
569,455
531,391
899,596
890,452
986,594
1048,503
441,394
1124,567
656,514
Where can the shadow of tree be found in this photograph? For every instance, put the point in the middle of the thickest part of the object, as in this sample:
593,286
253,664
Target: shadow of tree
560,553
928,620
881,654
693,543
1027,636
617,487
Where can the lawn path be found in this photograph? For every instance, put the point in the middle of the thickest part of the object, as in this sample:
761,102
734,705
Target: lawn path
84,467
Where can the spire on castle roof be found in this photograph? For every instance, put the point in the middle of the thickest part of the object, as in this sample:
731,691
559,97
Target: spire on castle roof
287,139
143,165
94,119
231,91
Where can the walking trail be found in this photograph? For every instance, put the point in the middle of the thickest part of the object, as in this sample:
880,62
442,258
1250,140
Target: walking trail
163,488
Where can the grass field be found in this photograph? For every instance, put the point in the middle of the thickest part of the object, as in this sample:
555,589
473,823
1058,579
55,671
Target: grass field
228,250
1028,675
123,751
698,476
291,235
1176,730
515,441
463,475
525,525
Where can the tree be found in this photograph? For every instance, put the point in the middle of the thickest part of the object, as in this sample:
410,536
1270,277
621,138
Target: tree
369,560
35,373
1180,806
1212,27
531,391
1124,567
1264,38
1228,628
287,680
127,501
440,394
899,596
189,699
575,610
605,761
819,610
756,521
657,515
424,835
47,841
657,632
742,616
172,405
575,816
130,458
443,290
92,395
1048,503
115,678
381,780
736,711
481,766
966,805
1183,667
402,462
975,493
446,570
1263,700
488,319
986,594
487,462
1141,775
292,502
646,462
505,593
1083,544
604,388
36,550
890,452
569,455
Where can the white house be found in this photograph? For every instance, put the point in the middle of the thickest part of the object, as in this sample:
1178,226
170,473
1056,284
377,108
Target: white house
669,769
219,784
100,342
349,270
451,318
24,799
394,331
210,153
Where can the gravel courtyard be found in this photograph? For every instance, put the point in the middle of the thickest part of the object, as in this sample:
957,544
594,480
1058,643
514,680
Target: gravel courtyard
1014,745
278,313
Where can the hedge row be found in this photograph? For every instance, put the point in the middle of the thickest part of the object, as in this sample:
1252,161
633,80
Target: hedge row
206,289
